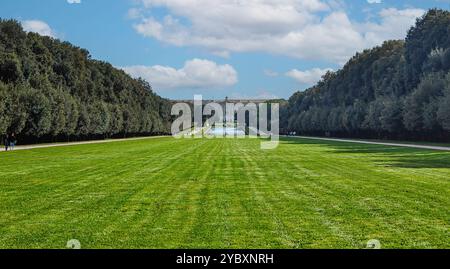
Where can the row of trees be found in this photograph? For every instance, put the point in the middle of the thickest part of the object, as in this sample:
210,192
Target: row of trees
52,90
399,90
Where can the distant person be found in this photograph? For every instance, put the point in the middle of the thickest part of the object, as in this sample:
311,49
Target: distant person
6,141
12,141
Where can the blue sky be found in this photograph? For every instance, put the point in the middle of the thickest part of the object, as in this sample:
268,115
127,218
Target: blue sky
218,48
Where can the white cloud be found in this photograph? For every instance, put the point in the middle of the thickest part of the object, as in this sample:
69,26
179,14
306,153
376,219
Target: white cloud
394,25
39,27
196,73
307,29
308,77
74,1
374,1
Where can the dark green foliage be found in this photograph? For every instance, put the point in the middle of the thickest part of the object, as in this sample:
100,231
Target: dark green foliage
4,120
39,116
443,112
391,115
398,90
431,32
9,68
51,89
373,117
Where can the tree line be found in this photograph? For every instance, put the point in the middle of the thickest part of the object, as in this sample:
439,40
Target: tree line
51,90
400,90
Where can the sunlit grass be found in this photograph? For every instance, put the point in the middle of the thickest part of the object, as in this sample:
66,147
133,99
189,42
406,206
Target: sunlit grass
224,193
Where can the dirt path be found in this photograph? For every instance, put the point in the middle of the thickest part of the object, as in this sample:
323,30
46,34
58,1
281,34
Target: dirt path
379,143
37,146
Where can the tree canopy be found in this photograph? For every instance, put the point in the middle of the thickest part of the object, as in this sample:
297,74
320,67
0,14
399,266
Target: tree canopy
398,90
52,90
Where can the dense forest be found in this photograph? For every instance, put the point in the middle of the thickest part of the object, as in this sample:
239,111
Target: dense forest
51,90
400,90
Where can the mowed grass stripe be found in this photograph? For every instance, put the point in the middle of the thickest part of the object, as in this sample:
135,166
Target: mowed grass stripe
224,193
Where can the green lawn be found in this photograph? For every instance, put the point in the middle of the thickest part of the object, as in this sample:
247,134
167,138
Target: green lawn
224,193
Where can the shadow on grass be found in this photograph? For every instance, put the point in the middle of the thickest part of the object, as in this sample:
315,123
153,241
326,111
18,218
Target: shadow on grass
386,156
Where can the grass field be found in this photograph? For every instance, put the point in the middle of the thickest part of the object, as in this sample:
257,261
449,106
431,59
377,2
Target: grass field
224,193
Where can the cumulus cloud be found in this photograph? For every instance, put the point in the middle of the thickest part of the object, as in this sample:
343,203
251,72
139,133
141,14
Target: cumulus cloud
374,1
307,29
308,77
74,1
39,27
394,25
195,74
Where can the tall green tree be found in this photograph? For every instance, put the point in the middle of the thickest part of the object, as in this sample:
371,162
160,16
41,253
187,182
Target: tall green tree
4,117
397,90
52,89
39,117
